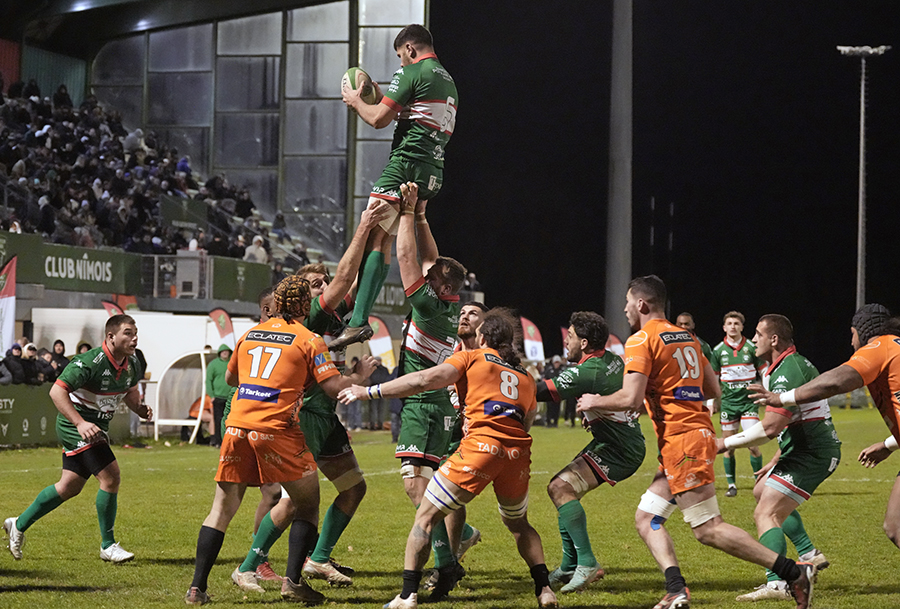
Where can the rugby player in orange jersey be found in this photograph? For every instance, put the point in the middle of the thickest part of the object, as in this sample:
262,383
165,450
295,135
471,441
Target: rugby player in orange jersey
273,364
496,448
665,367
875,337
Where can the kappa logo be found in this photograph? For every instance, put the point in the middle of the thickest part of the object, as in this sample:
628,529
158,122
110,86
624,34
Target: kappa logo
79,363
781,379
106,373
413,449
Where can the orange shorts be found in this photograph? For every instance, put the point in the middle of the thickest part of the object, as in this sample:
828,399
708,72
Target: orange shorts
687,459
259,457
482,460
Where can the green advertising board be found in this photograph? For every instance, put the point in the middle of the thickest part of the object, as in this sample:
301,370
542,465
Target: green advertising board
235,279
28,416
182,212
78,269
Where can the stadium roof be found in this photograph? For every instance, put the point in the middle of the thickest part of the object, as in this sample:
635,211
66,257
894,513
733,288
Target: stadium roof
79,27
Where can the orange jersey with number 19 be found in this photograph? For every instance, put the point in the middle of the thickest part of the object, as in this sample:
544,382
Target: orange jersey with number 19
673,362
498,397
275,363
878,363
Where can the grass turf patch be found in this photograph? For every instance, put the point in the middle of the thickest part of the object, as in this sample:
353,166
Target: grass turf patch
166,493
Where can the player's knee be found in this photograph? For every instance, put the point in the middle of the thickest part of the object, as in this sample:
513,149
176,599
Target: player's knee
514,511
416,467
350,479
566,486
653,511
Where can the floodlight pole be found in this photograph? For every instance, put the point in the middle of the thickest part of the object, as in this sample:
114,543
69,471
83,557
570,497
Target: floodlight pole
862,53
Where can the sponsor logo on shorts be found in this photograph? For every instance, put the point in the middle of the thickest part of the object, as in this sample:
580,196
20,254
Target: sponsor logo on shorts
258,393
475,472
279,338
499,451
691,480
669,338
229,458
272,458
690,394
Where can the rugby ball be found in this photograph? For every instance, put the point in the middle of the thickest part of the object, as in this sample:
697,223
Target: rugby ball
353,78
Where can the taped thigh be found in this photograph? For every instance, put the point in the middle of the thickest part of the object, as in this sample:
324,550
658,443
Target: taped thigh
439,494
348,479
514,511
576,481
701,512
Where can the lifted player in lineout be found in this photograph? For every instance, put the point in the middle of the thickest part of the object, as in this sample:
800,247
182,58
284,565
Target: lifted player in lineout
422,97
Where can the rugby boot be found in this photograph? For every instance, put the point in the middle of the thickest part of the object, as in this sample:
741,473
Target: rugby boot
775,590
802,587
675,600
582,577
351,335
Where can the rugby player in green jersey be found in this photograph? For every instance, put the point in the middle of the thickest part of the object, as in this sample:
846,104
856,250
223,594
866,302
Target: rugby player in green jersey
808,452
432,283
422,97
734,360
87,394
325,435
614,453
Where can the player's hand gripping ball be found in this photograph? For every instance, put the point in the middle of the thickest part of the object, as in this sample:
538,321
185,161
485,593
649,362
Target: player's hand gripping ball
353,78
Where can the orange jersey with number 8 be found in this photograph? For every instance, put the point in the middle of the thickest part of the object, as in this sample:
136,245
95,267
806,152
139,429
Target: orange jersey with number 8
498,397
275,363
673,362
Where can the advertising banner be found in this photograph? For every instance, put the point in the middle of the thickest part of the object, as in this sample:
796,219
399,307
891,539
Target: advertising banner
235,279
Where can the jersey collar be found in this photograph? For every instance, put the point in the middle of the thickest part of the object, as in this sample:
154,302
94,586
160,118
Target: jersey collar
425,56
116,365
790,350
740,345
586,356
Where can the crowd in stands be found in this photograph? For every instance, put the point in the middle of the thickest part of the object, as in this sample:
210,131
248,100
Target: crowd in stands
25,364
77,176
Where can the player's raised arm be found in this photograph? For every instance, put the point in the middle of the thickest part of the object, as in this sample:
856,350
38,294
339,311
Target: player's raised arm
348,268
410,271
437,377
842,379
428,249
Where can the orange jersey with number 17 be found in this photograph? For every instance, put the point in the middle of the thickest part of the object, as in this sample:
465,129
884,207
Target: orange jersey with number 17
878,363
673,362
275,363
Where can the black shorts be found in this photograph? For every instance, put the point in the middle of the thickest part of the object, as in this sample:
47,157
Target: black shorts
89,462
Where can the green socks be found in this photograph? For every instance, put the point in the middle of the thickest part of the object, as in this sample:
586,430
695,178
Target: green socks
796,532
774,540
467,532
332,527
46,501
574,520
440,543
756,463
371,278
265,538
570,555
729,470
106,515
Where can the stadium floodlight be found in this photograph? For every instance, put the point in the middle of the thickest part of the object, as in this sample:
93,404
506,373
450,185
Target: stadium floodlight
863,53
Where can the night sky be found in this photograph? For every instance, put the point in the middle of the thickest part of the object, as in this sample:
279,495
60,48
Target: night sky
746,120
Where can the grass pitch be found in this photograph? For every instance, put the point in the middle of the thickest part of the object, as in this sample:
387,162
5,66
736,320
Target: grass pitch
167,491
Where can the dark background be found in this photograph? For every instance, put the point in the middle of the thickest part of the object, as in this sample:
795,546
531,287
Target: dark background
746,120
